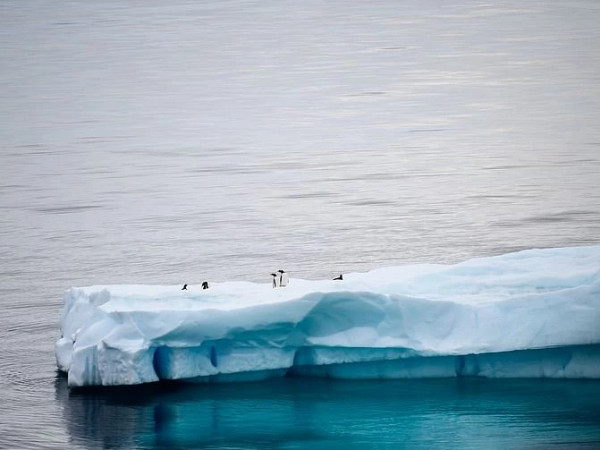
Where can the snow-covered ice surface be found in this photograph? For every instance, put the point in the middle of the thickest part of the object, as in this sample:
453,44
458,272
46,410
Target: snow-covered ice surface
534,313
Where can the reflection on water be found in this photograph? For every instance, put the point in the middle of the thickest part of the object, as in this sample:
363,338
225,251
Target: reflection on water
298,413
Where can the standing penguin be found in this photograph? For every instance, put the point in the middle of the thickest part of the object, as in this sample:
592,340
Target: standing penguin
275,280
184,288
284,278
205,285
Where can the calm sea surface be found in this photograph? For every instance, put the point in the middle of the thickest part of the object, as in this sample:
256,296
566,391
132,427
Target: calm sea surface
168,142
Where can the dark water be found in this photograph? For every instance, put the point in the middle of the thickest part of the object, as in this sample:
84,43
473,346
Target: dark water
301,413
169,142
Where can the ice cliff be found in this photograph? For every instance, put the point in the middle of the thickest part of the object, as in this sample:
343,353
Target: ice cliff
534,313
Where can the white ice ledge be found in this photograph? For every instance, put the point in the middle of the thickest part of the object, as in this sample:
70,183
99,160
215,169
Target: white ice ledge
534,313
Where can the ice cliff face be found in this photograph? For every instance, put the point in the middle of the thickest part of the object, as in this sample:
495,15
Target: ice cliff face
529,314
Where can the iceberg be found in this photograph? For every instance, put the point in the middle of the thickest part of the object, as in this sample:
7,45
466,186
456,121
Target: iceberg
534,313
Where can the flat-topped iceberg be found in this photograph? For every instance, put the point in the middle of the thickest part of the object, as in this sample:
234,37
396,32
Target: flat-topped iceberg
534,313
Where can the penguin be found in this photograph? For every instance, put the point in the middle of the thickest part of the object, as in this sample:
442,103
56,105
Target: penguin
341,277
275,280
284,278
184,288
205,285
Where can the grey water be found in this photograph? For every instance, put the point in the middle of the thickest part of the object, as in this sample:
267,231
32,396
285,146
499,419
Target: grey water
175,142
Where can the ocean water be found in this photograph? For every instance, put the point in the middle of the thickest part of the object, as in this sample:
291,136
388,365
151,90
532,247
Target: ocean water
175,142
304,413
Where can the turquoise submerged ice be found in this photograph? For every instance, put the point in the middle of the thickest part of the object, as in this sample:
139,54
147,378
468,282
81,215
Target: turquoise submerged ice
534,313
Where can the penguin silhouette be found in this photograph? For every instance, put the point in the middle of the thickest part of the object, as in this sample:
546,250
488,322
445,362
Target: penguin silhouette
184,288
341,277
284,278
205,285
275,280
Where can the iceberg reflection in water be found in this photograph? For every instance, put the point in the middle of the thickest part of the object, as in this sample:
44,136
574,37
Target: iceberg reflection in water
320,413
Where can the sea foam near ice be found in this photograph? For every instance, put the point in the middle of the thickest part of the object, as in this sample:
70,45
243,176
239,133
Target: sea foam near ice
534,313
